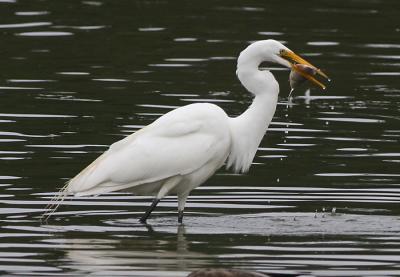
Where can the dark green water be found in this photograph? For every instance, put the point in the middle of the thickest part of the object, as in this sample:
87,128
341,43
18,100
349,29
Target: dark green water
78,75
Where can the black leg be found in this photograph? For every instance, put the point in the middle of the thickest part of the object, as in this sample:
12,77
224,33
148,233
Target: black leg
149,210
180,216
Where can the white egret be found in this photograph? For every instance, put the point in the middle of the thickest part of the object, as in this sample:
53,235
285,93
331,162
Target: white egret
183,148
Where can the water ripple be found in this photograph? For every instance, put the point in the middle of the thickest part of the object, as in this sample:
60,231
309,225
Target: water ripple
44,34
24,25
31,13
36,115
349,119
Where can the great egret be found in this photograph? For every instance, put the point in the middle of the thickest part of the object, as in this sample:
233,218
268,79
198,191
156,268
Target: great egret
183,148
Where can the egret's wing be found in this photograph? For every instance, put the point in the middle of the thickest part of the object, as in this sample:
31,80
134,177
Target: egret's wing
154,153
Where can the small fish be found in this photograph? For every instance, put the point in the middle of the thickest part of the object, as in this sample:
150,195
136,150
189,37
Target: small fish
296,77
301,73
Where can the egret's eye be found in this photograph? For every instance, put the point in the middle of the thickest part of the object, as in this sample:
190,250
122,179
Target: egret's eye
282,51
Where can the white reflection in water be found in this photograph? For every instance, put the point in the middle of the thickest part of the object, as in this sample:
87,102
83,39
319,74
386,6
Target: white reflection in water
111,80
151,29
25,115
84,258
44,34
64,145
273,156
24,25
180,95
93,3
31,13
185,60
63,96
86,28
273,149
91,255
271,33
11,140
14,152
25,135
337,174
352,149
170,65
73,73
297,144
9,177
207,100
382,73
19,88
185,39
380,45
350,119
301,130
157,106
29,81
323,43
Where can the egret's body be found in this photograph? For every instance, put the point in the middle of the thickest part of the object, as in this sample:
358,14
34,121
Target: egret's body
173,155
183,148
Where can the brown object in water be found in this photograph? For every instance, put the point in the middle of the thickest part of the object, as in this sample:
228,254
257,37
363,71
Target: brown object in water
296,78
219,272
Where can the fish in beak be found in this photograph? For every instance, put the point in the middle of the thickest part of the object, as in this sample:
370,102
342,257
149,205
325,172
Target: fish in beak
302,70
301,73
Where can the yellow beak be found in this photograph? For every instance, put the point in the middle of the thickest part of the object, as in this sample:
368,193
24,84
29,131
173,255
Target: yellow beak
293,58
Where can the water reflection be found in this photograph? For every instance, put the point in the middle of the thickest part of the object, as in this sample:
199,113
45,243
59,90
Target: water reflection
44,34
123,259
24,25
281,239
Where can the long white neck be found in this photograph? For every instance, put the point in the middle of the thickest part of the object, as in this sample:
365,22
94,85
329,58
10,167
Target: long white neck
248,129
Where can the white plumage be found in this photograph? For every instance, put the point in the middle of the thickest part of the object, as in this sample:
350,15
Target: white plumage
186,145
183,148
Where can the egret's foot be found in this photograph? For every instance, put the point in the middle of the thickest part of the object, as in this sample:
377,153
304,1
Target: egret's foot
146,215
180,216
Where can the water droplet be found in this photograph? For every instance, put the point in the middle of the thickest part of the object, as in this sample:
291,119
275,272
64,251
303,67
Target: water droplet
289,100
290,93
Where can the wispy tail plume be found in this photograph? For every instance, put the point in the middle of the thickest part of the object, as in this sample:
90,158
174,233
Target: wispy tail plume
54,203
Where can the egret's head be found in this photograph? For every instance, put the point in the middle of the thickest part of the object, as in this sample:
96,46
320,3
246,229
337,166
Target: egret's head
273,51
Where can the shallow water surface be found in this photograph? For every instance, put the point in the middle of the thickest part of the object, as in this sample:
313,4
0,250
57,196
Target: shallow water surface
322,197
